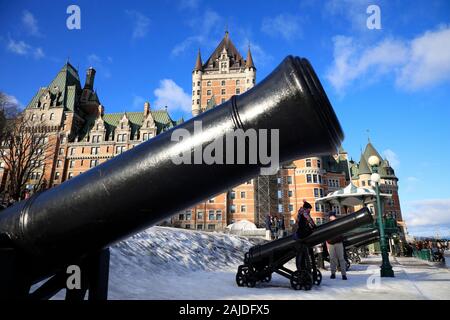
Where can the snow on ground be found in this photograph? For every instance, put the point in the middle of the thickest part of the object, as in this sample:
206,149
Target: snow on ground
167,263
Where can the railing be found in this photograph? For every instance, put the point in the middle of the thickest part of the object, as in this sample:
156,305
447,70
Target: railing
423,254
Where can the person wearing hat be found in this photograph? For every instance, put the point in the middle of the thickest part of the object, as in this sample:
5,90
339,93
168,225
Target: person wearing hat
336,251
305,226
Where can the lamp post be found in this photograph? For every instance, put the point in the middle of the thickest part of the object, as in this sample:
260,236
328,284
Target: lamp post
386,268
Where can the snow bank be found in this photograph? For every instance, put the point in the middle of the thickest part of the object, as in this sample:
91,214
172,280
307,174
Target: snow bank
170,250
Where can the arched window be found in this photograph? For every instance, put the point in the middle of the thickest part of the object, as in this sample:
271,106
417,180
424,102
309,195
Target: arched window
52,116
33,117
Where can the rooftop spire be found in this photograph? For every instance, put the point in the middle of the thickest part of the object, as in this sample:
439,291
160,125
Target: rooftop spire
249,62
198,63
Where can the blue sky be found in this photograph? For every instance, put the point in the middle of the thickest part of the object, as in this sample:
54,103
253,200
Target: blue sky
393,82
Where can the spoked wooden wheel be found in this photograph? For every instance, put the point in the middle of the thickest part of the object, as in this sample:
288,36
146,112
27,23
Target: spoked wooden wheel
241,276
268,275
317,277
301,280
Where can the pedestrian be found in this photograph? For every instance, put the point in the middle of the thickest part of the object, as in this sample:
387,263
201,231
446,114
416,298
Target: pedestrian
305,226
336,251
281,227
275,228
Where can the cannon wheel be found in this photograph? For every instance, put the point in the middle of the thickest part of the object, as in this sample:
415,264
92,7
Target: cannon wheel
241,275
317,278
301,280
268,275
348,264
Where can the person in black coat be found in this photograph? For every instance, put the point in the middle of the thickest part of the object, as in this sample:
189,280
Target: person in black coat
305,226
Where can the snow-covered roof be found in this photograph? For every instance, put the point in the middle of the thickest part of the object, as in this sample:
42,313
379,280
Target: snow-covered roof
352,195
243,225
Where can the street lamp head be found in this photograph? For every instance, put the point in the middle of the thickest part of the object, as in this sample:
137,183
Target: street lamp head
375,177
374,161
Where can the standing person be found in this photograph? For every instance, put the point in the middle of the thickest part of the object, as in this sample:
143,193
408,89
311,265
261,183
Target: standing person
336,250
305,226
275,228
281,227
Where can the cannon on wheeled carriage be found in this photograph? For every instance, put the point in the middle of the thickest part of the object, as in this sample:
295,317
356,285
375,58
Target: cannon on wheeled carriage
261,261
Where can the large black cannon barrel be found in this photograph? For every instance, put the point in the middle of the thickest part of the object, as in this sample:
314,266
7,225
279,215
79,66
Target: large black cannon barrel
282,247
366,242
353,239
143,186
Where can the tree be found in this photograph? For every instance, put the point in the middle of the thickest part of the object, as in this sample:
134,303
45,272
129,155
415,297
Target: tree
9,109
24,152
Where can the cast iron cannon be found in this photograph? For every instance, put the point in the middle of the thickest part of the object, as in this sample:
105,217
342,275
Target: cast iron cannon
76,222
263,260
353,242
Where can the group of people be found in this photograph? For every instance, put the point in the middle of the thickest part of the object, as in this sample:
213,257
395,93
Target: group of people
276,226
436,247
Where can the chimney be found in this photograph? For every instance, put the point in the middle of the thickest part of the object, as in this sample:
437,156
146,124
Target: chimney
90,76
146,108
101,111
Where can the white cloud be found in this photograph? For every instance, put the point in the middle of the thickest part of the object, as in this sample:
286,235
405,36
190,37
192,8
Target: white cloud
353,11
173,96
392,157
141,24
428,212
23,49
353,61
204,29
429,60
285,25
18,47
30,23
38,53
186,44
260,56
421,62
99,64
412,179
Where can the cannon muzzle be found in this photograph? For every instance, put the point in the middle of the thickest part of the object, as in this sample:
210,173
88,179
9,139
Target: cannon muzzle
145,185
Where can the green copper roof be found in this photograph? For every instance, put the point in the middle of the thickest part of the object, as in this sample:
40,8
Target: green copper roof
370,151
364,166
162,120
66,77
